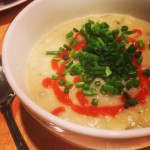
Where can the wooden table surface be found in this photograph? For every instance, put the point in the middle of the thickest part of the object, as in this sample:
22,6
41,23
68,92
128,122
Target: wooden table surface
36,136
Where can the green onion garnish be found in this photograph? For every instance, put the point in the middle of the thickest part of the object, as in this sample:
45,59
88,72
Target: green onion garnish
68,84
146,72
139,61
75,30
124,28
94,101
79,84
69,35
138,54
130,102
61,82
69,64
52,52
55,76
140,43
66,47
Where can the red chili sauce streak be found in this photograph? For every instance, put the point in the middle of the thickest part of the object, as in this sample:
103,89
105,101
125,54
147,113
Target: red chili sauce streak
133,40
137,31
143,89
81,98
81,41
47,82
77,79
57,111
84,107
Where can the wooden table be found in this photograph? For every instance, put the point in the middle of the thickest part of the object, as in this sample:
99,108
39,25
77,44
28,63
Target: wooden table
36,136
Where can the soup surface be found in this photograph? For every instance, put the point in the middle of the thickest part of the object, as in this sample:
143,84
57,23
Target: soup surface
121,105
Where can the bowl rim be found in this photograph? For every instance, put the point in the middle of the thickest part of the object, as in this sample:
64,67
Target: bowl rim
66,125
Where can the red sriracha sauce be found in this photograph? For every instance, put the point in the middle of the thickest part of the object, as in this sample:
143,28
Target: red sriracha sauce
57,111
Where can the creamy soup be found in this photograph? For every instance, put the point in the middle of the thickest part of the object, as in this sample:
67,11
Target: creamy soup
100,104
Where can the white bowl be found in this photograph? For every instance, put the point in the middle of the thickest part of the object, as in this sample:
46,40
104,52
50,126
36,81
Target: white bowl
33,23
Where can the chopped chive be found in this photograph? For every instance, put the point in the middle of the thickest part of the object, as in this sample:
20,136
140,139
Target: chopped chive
61,49
131,102
108,71
94,101
79,84
72,52
86,86
124,28
139,61
132,48
108,88
146,72
89,92
77,55
69,64
140,43
61,82
70,34
66,47
71,40
65,57
128,32
68,84
66,90
127,40
52,52
91,21
122,37
75,30
65,72
74,43
101,41
55,76
138,54
56,58
121,45
115,32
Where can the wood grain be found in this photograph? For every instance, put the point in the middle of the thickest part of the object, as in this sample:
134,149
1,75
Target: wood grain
36,136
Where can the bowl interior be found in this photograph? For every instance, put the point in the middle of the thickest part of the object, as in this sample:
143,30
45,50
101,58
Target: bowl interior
38,19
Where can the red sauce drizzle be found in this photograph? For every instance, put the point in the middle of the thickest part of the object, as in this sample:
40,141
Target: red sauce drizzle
143,89
77,79
54,64
81,98
137,31
47,82
57,111
86,110
81,41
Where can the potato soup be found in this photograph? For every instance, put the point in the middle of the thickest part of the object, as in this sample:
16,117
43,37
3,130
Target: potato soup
94,71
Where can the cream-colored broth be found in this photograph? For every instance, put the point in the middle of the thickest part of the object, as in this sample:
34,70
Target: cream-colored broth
38,68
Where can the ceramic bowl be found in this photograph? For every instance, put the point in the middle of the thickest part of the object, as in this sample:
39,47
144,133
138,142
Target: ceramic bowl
30,26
